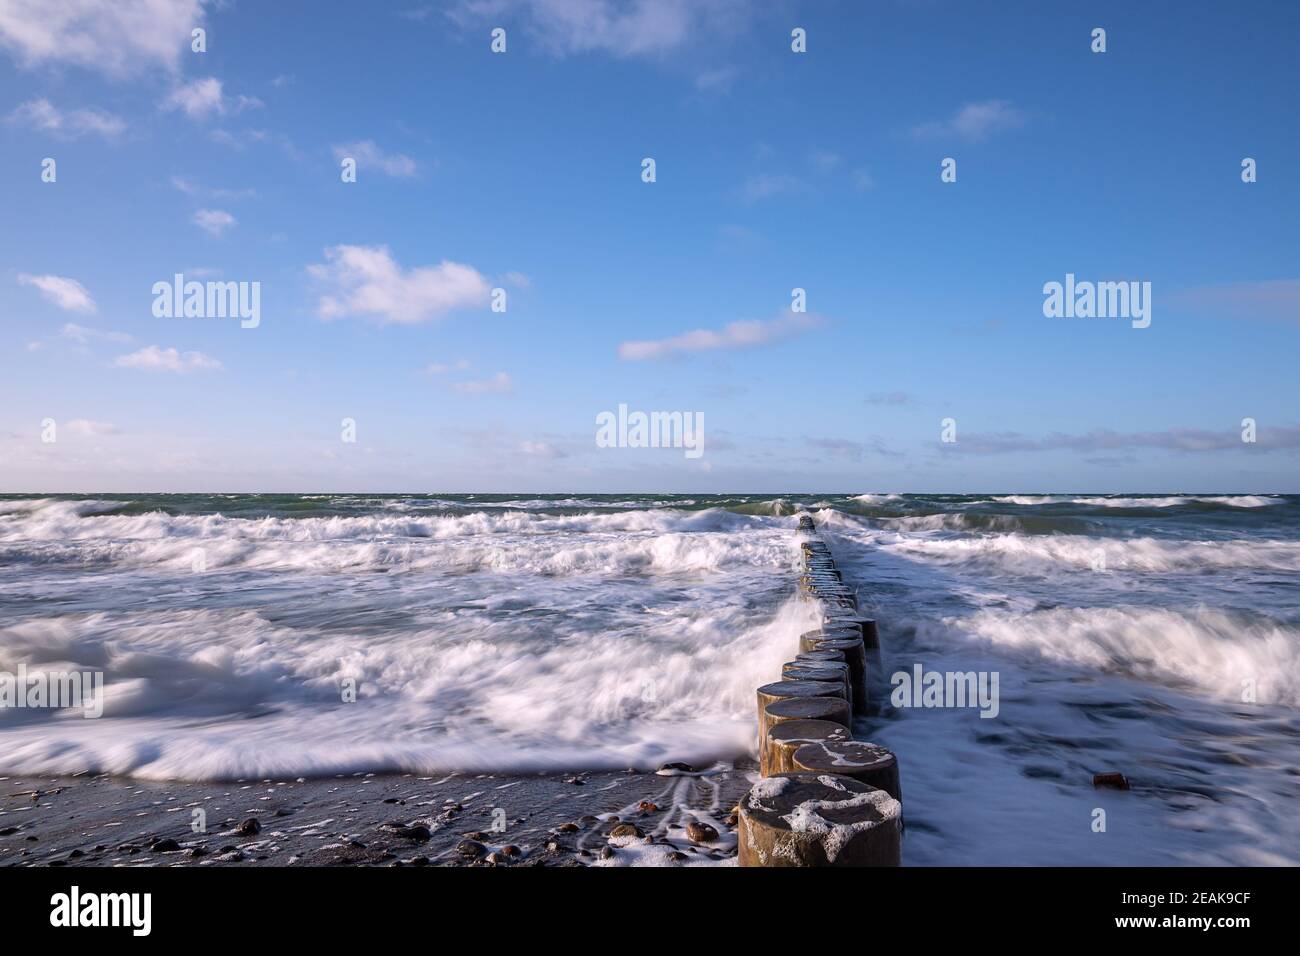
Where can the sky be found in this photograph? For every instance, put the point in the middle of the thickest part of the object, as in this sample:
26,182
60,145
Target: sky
523,171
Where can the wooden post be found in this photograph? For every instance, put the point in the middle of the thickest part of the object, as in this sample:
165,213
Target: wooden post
785,738
818,820
834,709
870,763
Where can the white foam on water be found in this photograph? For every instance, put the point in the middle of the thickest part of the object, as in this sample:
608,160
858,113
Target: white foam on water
1165,501
497,642
1211,651
1047,553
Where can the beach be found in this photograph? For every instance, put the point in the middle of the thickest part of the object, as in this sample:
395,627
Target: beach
299,660
372,820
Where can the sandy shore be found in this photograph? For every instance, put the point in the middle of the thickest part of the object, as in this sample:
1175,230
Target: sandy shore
374,820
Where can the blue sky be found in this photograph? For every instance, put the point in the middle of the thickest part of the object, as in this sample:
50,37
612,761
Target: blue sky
522,171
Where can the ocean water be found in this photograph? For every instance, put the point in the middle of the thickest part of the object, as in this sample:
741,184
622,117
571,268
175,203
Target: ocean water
533,633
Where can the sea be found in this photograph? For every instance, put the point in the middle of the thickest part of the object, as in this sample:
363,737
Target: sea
284,636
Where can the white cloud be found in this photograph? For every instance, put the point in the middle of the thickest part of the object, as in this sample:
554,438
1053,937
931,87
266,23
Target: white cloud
498,383
155,359
191,188
747,334
85,428
196,98
83,335
204,96
44,115
214,221
541,449
66,293
365,280
623,28
442,368
370,156
117,37
975,121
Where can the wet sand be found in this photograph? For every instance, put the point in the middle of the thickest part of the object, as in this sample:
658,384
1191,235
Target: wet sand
375,820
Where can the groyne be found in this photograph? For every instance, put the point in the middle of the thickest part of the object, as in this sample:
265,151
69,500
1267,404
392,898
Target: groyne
825,798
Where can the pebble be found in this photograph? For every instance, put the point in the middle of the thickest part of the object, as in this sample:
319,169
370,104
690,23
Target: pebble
418,832
1116,781
698,832
648,806
470,849
626,829
249,827
165,846
676,767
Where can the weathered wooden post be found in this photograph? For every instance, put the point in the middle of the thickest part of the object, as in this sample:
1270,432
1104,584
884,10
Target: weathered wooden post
871,764
823,819
792,689
785,738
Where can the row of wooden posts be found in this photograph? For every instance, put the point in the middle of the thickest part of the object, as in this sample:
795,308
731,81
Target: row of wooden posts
824,799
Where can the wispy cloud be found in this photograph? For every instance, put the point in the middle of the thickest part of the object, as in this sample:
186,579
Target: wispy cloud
1101,439
155,359
370,156
746,334
44,115
204,97
197,190
974,122
84,336
214,221
621,28
718,80
117,37
849,448
542,449
85,428
366,281
498,383
66,293
442,368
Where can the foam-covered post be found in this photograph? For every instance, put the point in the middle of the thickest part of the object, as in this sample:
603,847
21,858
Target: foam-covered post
785,738
818,820
868,763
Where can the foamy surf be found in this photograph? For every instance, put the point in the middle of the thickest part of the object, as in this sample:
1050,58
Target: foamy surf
1156,635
